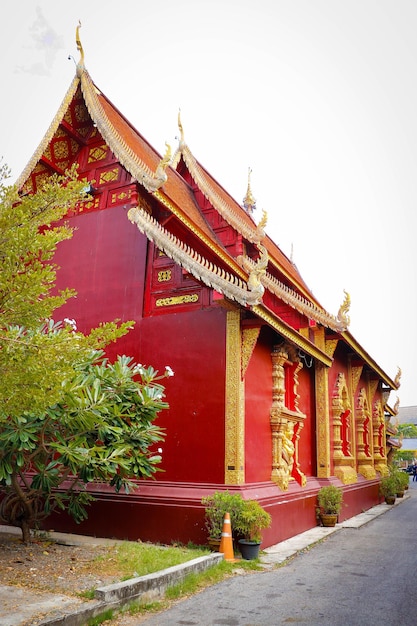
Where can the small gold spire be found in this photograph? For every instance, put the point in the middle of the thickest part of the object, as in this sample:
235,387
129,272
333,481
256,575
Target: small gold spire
80,64
249,201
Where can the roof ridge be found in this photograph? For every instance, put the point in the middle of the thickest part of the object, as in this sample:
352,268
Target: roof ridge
124,153
253,235
293,299
59,115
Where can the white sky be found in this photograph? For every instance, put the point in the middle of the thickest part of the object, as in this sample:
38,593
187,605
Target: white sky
318,97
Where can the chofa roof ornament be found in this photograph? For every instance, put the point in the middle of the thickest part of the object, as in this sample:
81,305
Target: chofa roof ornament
398,378
257,273
342,315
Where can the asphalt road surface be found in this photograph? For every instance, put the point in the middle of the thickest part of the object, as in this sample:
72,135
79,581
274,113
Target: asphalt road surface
355,577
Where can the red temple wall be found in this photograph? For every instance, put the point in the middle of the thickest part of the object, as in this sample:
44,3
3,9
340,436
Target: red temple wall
105,263
258,401
193,345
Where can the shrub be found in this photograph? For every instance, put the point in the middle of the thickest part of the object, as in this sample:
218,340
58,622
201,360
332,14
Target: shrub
330,500
216,506
252,520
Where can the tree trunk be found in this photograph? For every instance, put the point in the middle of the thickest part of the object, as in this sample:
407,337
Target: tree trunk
25,531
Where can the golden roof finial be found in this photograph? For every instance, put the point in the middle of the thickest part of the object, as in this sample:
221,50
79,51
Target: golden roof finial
249,201
80,64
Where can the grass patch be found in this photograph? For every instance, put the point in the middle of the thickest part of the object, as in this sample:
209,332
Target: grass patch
130,560
216,574
99,619
193,583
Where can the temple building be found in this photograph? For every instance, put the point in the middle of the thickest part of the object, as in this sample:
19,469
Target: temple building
272,396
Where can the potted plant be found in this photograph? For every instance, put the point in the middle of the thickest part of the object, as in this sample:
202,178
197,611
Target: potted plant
405,478
216,506
402,480
388,488
329,500
252,519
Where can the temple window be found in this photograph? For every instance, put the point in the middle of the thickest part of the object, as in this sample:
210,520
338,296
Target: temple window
285,417
343,432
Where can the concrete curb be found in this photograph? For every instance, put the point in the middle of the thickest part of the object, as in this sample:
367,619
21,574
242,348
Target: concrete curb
143,588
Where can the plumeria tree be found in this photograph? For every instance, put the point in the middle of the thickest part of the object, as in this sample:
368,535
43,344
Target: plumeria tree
67,415
101,429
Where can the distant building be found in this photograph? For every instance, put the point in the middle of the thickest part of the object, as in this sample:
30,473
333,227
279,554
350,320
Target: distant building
407,415
409,445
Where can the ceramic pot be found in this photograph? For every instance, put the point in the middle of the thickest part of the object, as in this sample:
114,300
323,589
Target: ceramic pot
249,549
328,519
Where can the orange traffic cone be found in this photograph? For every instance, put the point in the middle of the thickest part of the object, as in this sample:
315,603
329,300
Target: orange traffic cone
226,543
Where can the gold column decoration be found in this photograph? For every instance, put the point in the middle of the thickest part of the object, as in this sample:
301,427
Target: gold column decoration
330,346
286,423
380,451
322,420
234,413
356,371
249,339
363,433
373,386
343,433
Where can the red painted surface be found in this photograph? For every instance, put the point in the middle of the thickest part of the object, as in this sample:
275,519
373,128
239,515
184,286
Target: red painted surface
193,345
166,512
104,262
306,404
258,400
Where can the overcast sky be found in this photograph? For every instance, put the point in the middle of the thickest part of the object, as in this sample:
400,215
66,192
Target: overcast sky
317,97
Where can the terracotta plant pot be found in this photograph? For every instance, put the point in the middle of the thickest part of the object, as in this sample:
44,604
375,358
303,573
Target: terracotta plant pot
214,544
327,519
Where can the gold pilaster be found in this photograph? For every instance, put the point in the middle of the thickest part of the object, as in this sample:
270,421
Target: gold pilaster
323,421
380,453
235,416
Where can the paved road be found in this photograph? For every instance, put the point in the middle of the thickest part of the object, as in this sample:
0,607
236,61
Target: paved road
356,577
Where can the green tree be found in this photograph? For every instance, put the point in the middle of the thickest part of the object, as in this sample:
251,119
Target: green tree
36,355
407,430
101,430
67,416
404,455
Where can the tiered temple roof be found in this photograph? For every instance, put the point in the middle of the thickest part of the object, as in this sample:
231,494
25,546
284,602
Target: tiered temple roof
208,233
